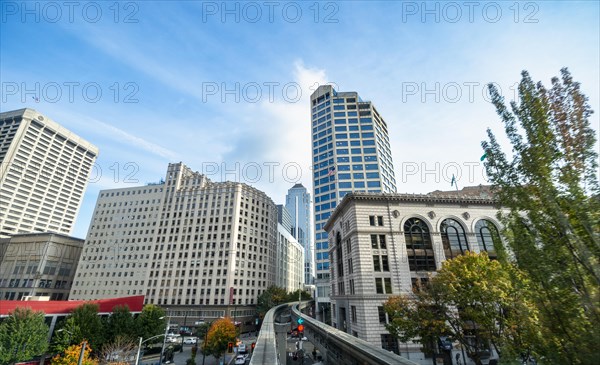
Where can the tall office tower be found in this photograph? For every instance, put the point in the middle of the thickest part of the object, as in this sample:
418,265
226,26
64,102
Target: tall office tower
297,202
289,264
284,218
199,247
44,170
351,153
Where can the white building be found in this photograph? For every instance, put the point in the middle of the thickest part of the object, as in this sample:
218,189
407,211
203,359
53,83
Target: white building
44,171
199,247
38,265
290,261
297,202
350,152
383,244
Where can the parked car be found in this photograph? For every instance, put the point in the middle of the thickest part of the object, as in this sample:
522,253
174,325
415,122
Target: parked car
240,360
173,338
190,340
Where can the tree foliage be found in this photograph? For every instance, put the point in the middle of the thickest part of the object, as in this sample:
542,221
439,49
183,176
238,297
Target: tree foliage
293,296
72,354
202,330
66,333
270,298
275,295
549,186
120,324
149,323
23,335
475,301
221,332
88,325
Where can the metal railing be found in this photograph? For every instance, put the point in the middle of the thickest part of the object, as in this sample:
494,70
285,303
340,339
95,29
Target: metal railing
335,346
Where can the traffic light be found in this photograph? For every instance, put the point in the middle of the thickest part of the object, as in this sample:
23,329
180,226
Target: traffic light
253,346
301,328
230,347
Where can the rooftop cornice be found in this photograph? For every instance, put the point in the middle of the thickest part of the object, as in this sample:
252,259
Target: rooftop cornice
432,198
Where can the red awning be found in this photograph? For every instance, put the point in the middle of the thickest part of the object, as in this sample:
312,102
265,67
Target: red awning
52,307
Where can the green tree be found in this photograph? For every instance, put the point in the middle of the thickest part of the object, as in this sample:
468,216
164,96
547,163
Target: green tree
202,330
120,324
270,298
475,301
149,323
221,332
413,319
23,335
65,334
549,185
89,325
293,296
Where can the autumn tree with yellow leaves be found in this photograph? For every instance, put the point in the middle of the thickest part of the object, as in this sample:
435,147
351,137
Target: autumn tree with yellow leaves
71,356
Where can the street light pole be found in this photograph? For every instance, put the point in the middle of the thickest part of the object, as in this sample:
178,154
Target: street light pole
162,351
137,357
204,348
82,353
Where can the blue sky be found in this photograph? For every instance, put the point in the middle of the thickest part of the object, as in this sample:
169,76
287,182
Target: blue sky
224,87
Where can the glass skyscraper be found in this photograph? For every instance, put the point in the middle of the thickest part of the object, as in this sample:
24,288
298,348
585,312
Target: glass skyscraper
297,203
350,152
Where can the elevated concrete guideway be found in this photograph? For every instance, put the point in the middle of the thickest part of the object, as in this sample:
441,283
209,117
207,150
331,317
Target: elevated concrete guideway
336,347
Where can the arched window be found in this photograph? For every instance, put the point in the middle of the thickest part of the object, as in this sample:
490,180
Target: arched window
487,236
453,238
418,245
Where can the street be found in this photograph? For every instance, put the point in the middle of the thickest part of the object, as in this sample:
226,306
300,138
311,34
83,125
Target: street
180,358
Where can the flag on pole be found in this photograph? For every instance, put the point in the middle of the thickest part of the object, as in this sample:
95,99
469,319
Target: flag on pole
331,171
453,182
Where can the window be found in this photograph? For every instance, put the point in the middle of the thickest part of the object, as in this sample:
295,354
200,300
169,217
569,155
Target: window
378,241
353,313
339,258
382,315
379,285
487,236
376,220
388,285
388,342
376,265
419,283
454,238
418,245
384,263
380,263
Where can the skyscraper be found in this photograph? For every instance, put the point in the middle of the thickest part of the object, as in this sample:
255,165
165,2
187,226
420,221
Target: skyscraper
44,170
350,152
297,203
199,247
